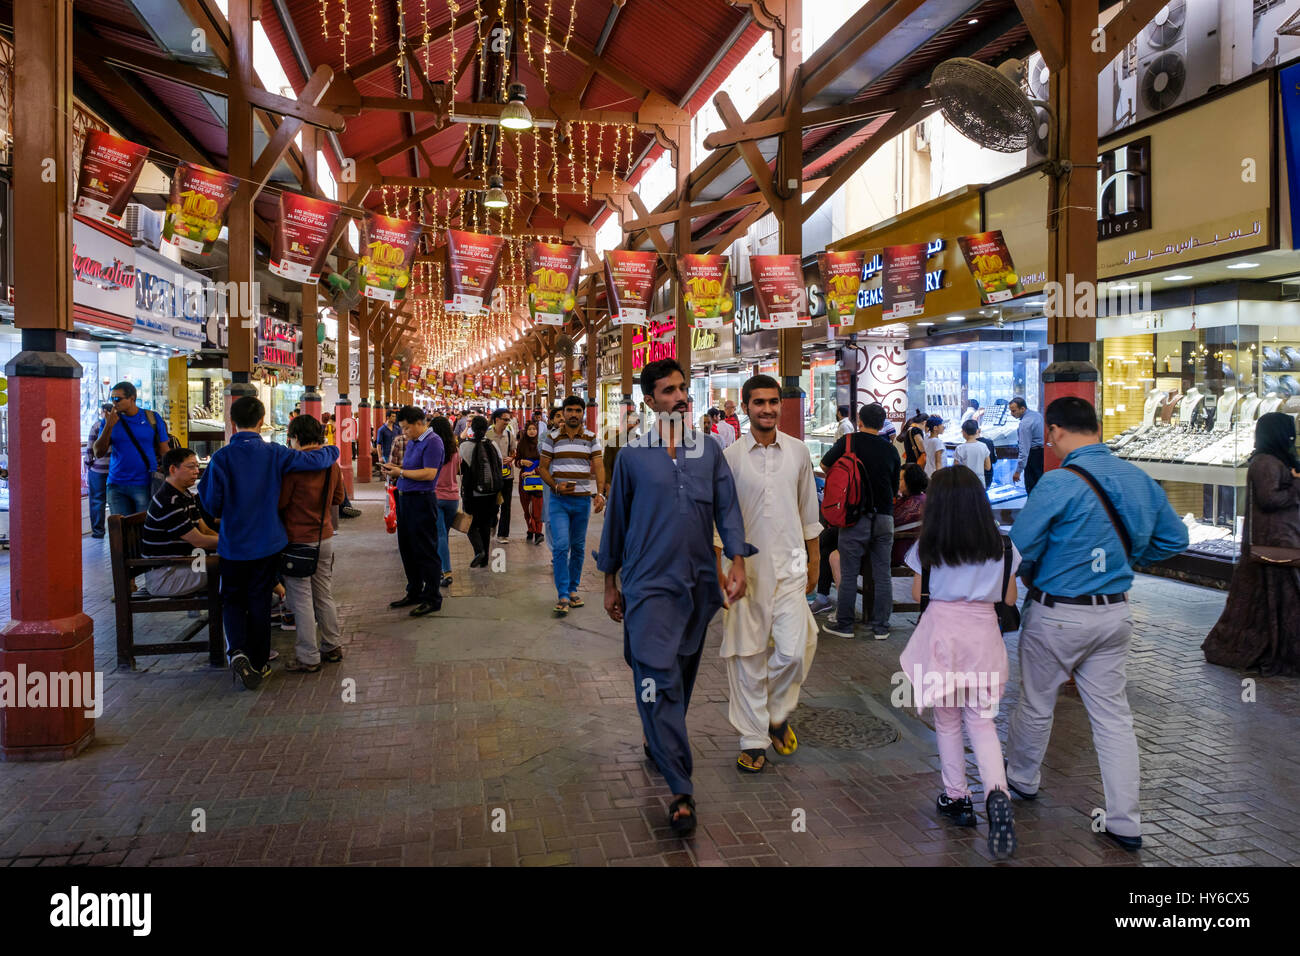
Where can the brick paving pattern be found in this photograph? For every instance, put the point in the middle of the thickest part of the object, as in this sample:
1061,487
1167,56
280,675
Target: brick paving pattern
493,710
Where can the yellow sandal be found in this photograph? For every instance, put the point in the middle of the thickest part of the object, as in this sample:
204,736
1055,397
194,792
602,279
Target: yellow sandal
783,739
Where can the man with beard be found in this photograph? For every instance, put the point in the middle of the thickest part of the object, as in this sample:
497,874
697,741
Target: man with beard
769,635
671,485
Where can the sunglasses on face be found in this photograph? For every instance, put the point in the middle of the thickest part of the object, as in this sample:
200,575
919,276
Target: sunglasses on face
117,398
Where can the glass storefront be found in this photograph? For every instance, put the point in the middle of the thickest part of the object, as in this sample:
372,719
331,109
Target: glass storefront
1181,392
820,387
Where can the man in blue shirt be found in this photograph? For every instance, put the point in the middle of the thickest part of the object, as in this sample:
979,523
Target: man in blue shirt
241,488
1030,436
417,516
386,435
671,486
1076,562
137,440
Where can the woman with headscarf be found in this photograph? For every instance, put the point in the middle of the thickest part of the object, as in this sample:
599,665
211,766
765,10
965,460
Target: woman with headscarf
1260,624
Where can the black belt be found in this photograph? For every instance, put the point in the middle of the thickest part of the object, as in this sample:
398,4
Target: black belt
1047,600
416,492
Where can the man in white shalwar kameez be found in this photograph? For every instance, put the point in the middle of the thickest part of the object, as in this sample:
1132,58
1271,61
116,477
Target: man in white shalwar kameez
769,636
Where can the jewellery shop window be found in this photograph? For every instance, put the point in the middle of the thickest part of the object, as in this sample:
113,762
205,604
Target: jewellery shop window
1182,405
819,426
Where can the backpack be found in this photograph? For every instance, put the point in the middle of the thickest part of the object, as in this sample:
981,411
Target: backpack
842,493
485,468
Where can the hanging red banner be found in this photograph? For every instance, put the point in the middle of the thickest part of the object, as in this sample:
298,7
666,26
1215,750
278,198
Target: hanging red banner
779,291
990,264
470,276
301,232
197,207
552,279
629,278
710,292
110,168
413,376
902,281
841,275
387,252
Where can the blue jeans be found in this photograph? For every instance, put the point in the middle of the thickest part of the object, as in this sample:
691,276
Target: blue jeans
447,509
97,481
569,515
127,499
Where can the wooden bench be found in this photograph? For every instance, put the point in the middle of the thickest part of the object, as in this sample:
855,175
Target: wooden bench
868,591
124,545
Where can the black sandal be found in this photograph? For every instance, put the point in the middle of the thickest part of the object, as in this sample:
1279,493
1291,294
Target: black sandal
683,825
754,757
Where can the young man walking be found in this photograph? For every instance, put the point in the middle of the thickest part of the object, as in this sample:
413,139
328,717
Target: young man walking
769,636
241,488
384,438
503,436
671,485
872,536
574,470
1095,517
417,515
137,439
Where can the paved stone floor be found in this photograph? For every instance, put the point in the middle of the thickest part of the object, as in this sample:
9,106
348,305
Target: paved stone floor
494,710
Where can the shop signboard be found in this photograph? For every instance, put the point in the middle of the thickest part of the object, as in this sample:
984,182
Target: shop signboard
552,280
841,275
470,272
779,291
991,267
629,276
902,281
103,276
197,207
165,296
110,168
710,288
387,252
277,342
301,233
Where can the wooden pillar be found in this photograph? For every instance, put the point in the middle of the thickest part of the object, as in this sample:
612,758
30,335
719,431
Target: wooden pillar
49,632
311,397
789,213
366,313
242,328
681,247
1072,238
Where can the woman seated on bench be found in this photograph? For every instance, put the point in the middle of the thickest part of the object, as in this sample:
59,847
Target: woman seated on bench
173,528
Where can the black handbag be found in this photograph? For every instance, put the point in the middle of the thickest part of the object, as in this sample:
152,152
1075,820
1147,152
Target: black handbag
301,560
1008,614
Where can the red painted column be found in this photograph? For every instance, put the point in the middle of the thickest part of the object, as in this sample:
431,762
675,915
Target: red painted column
311,403
1071,374
345,432
364,473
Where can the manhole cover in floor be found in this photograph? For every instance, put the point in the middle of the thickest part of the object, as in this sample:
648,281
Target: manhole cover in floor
844,729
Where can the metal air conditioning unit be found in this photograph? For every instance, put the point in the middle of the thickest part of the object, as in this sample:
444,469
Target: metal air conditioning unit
143,225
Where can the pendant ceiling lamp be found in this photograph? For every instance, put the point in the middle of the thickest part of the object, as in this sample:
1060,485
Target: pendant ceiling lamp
496,194
516,115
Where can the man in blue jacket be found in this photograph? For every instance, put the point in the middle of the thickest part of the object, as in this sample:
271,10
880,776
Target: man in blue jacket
241,488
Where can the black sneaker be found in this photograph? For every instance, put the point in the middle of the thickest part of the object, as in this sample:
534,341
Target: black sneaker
426,608
404,602
243,671
1002,827
1130,843
332,657
960,812
539,539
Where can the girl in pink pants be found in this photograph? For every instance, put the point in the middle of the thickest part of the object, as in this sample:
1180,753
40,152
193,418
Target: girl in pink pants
956,661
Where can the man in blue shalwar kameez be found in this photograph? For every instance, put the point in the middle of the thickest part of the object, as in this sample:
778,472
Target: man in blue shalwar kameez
670,486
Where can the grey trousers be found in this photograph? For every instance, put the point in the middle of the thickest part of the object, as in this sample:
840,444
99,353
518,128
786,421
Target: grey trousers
315,618
1092,644
870,541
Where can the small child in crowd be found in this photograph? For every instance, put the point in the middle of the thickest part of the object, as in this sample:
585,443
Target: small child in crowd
934,444
973,453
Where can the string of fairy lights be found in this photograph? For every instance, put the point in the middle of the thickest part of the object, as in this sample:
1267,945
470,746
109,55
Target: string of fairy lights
570,155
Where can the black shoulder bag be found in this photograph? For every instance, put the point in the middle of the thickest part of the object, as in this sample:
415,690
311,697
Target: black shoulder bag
1008,614
301,560
154,471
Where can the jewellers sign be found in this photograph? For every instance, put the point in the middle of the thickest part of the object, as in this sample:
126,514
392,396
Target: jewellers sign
103,274
1124,189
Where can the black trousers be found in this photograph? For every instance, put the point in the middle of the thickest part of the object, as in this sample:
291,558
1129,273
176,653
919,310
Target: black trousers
993,460
246,588
417,543
507,492
827,543
1033,467
482,509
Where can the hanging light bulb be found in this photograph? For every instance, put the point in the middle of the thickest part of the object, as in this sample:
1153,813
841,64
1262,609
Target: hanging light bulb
496,194
516,115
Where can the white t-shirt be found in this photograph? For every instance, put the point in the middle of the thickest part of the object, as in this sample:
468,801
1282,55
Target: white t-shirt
934,449
845,427
972,454
966,582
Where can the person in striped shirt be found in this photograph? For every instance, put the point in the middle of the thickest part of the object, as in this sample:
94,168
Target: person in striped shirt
574,469
173,528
